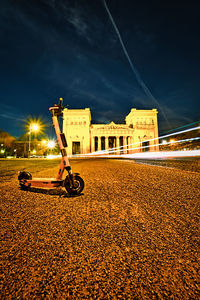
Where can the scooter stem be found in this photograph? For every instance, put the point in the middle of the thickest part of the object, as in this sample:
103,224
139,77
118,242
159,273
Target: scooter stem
56,111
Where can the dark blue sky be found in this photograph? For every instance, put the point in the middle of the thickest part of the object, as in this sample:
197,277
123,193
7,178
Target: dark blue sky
61,48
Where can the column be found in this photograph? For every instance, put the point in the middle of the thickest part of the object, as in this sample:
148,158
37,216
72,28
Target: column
131,145
128,142
92,143
99,143
152,148
140,144
106,143
124,145
117,145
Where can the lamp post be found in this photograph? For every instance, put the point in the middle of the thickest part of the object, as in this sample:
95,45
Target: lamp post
34,127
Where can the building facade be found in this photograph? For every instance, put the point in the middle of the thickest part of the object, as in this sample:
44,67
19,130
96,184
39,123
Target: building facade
84,137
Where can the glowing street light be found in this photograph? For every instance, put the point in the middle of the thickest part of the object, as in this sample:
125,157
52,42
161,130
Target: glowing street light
34,127
164,142
172,141
51,144
44,142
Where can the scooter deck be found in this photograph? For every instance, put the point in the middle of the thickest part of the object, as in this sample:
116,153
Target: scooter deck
43,182
45,179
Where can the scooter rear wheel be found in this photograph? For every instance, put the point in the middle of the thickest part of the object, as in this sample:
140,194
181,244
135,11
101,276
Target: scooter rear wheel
78,186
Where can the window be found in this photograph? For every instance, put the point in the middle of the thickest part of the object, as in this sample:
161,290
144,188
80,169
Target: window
76,149
146,146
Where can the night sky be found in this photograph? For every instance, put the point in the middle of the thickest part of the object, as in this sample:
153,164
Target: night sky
70,49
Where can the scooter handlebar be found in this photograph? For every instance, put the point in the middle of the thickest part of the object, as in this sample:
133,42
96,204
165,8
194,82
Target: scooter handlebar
60,102
57,108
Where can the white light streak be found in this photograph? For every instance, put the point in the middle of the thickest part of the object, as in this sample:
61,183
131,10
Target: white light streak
163,154
152,155
120,149
52,156
169,143
144,154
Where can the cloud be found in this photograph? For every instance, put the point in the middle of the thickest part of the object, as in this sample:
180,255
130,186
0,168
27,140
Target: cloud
31,20
176,117
77,20
73,15
8,112
146,37
94,98
117,87
50,3
110,86
174,107
142,101
176,114
107,116
10,116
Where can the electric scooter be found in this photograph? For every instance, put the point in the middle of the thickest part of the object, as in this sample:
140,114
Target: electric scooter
73,183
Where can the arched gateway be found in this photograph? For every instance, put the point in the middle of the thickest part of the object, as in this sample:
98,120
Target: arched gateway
84,137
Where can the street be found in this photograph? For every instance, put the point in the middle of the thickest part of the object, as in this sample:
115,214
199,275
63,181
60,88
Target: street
132,234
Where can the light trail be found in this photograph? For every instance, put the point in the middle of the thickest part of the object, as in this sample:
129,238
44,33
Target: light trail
133,68
121,148
101,154
168,143
154,155
164,154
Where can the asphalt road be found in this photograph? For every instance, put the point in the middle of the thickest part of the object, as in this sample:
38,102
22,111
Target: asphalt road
133,234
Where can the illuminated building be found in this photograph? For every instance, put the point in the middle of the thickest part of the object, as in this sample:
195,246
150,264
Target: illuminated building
84,137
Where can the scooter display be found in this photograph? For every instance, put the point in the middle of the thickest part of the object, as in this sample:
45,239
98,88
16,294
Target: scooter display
73,183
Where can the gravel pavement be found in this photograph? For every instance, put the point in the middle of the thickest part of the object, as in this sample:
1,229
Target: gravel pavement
133,234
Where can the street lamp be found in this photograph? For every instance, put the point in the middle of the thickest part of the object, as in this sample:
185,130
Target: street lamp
51,145
33,127
172,141
164,142
44,142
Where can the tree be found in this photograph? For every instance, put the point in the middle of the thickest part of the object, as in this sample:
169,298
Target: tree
6,141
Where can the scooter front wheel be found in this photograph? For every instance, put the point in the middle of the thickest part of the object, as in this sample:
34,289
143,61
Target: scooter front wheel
76,187
23,176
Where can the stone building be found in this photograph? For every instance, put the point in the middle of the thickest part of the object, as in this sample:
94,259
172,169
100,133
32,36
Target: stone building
84,137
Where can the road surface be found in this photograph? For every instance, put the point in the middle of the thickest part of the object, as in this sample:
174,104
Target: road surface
133,234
